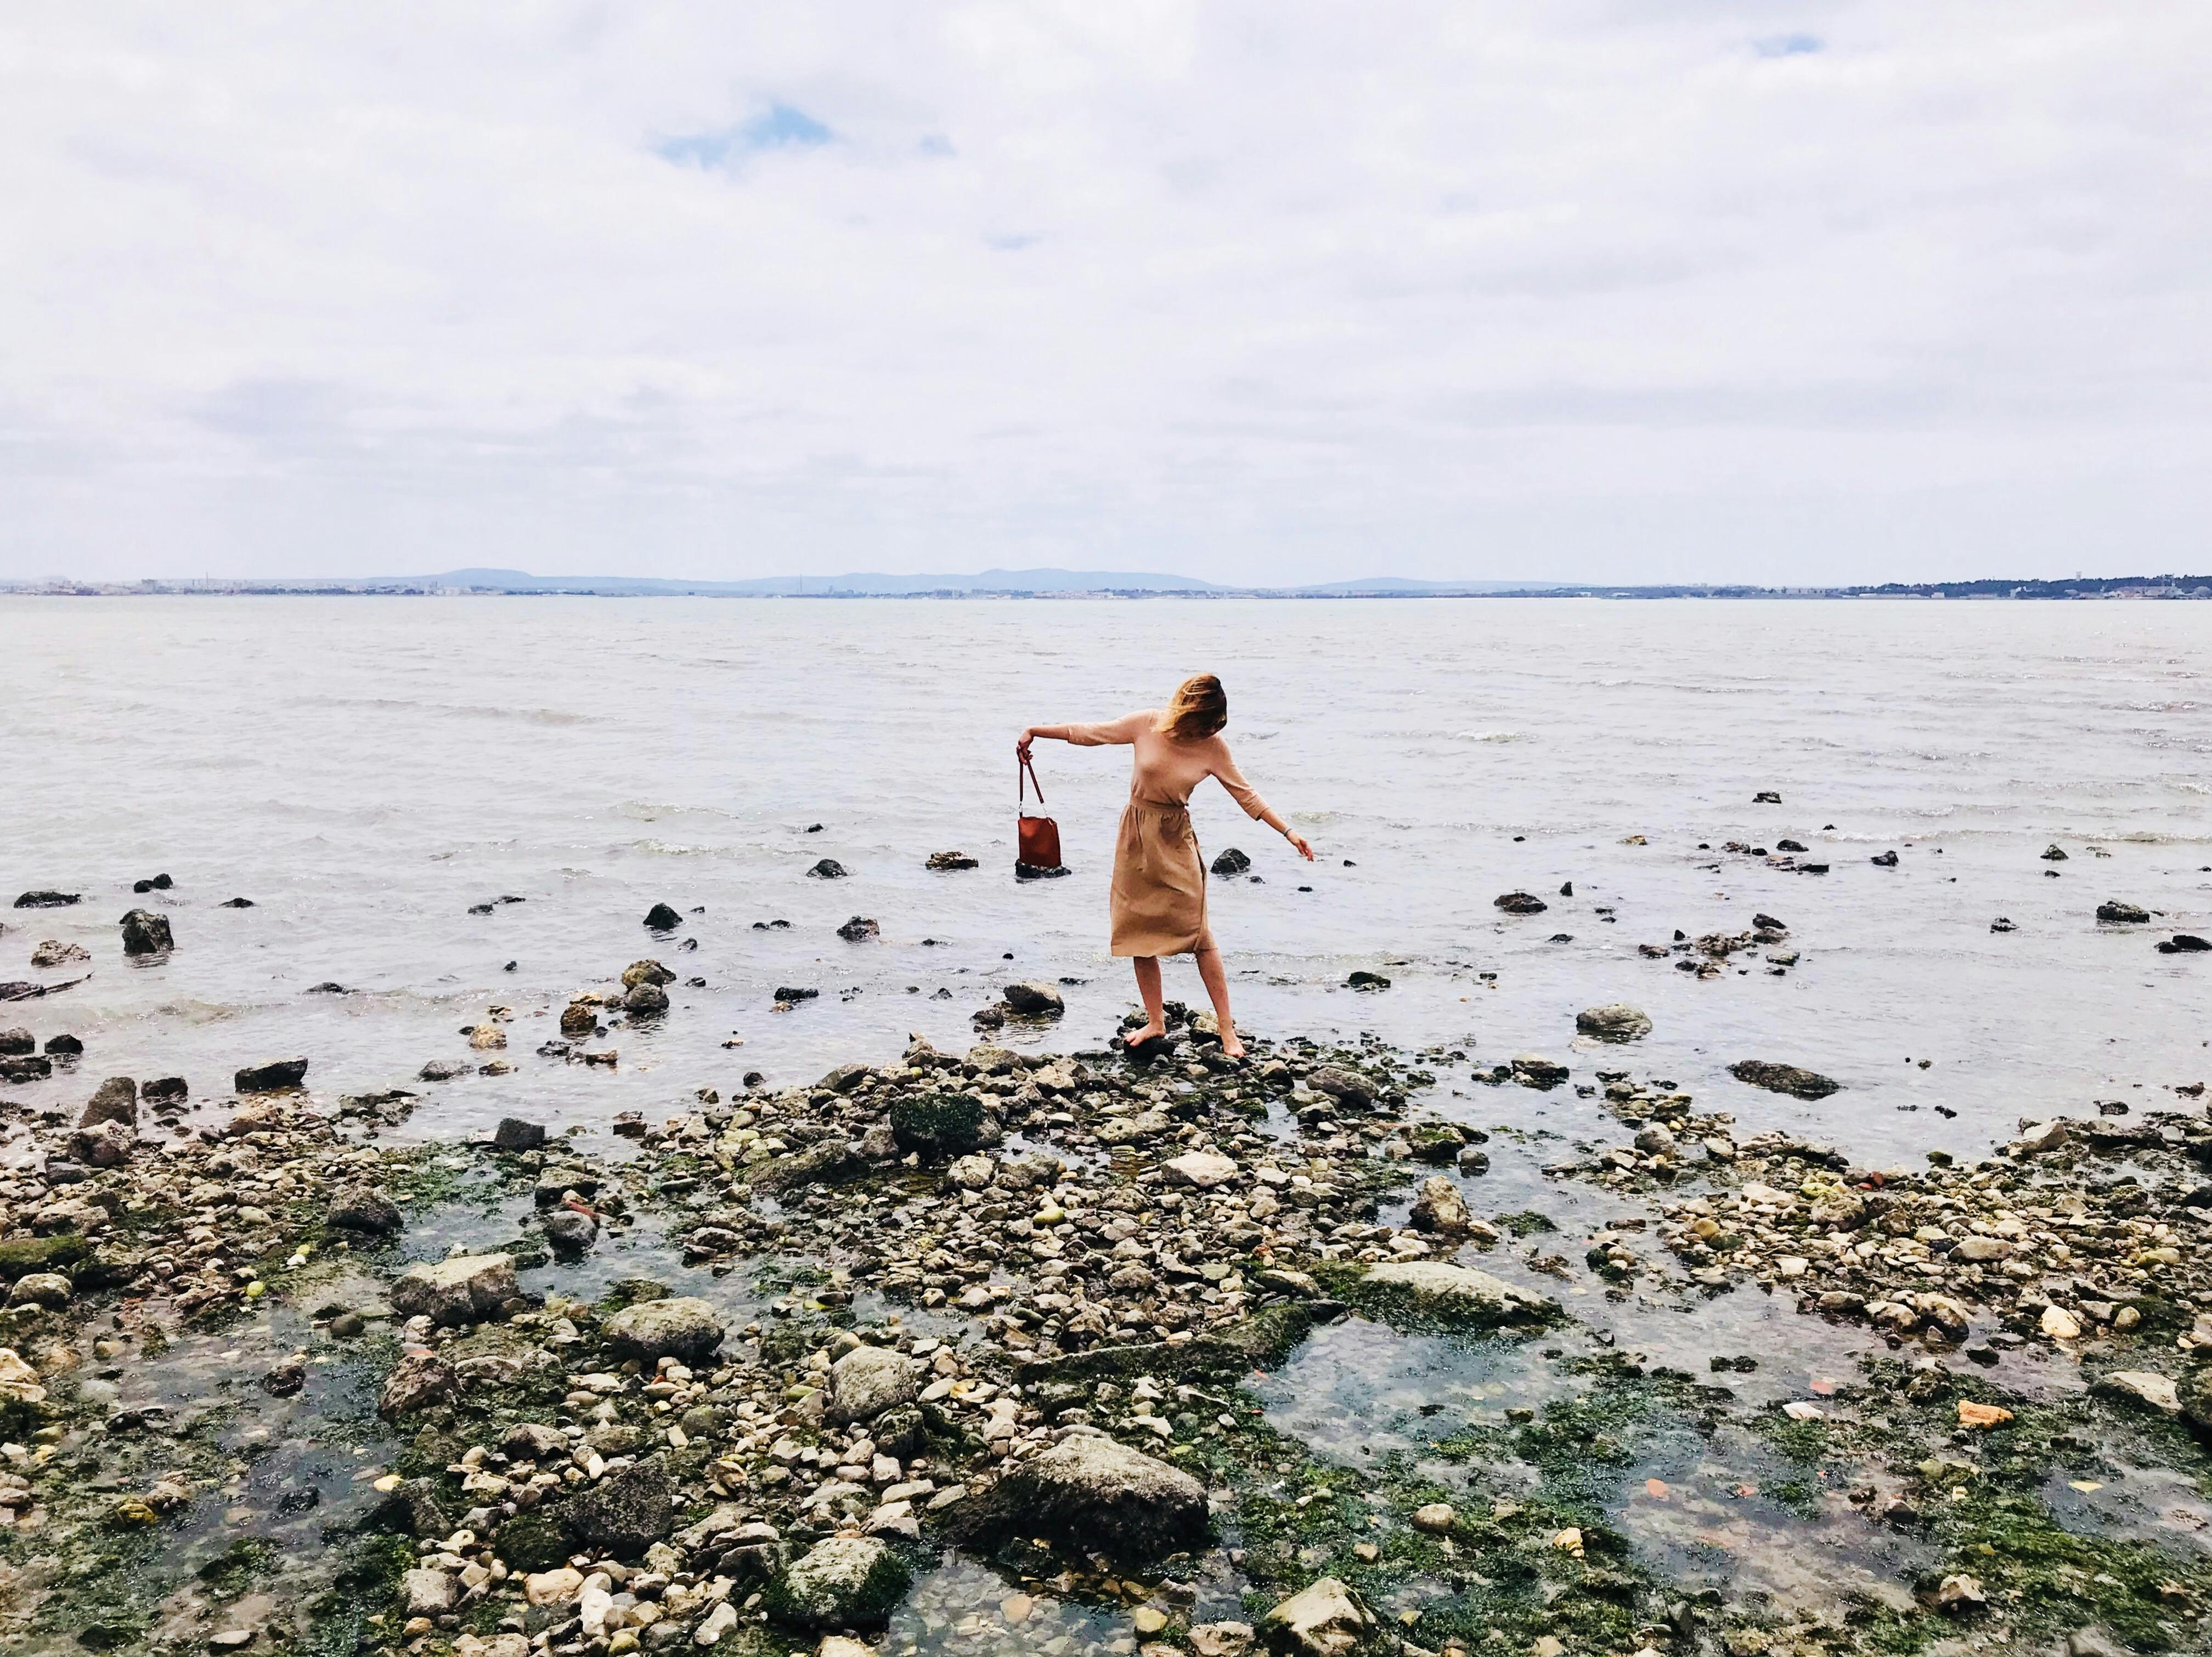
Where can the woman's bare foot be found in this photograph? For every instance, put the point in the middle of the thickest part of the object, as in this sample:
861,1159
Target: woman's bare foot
1150,1033
1230,1045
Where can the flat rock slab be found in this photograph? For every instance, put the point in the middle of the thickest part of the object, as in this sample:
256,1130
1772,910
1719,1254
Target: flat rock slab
1203,1170
454,1291
1095,1493
1456,1294
683,1328
1791,1079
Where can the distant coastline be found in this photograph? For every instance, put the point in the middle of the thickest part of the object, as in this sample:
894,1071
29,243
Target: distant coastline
1078,584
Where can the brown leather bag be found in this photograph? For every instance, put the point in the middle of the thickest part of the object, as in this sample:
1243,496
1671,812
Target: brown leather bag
1037,839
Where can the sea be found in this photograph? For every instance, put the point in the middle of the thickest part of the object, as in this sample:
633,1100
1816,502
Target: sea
371,773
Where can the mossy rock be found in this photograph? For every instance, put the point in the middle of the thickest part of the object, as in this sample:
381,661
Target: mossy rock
846,1581
946,1125
532,1542
24,1255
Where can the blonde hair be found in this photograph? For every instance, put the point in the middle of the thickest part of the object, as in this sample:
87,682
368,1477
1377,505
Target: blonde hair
1199,708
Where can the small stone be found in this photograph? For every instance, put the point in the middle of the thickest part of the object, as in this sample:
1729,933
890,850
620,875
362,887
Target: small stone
1981,1417
680,1326
2059,1324
1435,1518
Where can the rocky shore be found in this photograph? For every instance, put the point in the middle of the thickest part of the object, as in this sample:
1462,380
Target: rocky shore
959,1349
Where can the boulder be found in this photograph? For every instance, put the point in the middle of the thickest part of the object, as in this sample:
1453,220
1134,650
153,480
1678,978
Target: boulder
662,919
1035,1000
870,1380
569,1231
822,1162
858,929
162,1090
271,1076
1200,1169
1519,903
828,869
47,900
107,1146
2144,1386
145,932
579,1019
456,1291
950,1124
1783,1079
2054,854
843,1581
1534,1070
369,1213
420,1379
683,1328
646,971
1348,1087
53,952
1435,1141
1097,1495
2123,914
443,1070
625,1513
1367,982
1454,1294
48,1288
1323,1619
1440,1208
115,1099
17,1041
1231,862
2185,943
845,1077
513,1133
646,1000
1615,1022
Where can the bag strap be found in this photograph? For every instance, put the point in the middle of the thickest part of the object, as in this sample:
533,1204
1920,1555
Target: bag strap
1022,766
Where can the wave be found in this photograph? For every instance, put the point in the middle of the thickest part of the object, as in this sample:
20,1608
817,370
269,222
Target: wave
1490,736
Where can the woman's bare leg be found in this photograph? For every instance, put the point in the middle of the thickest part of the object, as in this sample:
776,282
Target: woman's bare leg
1216,977
1148,986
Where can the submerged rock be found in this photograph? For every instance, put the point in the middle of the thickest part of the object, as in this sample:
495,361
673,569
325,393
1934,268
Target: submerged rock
859,928
948,860
1784,1079
48,900
1615,1022
2123,914
1454,1293
646,1000
828,869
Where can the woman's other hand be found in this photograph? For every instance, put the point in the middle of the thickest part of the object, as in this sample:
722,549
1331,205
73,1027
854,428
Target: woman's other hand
1022,743
1299,842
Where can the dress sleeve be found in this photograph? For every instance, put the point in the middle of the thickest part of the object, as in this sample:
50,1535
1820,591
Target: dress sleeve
1111,733
1242,793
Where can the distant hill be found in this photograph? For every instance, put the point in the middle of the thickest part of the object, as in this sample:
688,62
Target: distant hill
866,583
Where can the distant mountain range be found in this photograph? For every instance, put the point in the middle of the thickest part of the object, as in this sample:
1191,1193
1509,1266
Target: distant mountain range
1075,583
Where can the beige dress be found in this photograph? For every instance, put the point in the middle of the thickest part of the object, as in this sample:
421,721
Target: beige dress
1159,877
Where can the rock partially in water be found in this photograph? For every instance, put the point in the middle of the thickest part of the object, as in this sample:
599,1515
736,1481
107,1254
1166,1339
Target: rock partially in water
1440,1208
843,1582
1784,1079
457,1291
1452,1293
55,953
115,1099
17,1041
661,918
569,1231
682,1327
2114,913
1533,1069
646,971
271,1076
646,1000
1615,1022
2185,943
859,928
1096,1494
2054,854
513,1133
948,860
1344,1086
1325,1619
828,869
48,900
1231,862
1519,903
145,932
1035,1000
369,1213
1363,979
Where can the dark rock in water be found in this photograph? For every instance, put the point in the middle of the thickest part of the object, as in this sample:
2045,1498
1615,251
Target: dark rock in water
164,1091
32,1067
236,903
1784,1079
158,883
1520,903
1766,923
1344,1086
328,987
2002,925
1884,859
1615,1022
845,1077
1561,937
368,1211
116,1100
2054,854
19,990
271,1075
786,992
859,927
145,932
443,1070
1094,1493
48,900
18,1041
1766,797
1363,979
646,1000
948,860
569,1230
579,1019
1037,871
1035,1000
1231,862
2184,944
828,869
1534,1070
1790,845
513,1133
662,919
2125,914
625,1513
1812,868
646,972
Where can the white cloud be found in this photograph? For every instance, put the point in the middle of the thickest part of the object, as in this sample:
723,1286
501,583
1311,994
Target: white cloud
1774,291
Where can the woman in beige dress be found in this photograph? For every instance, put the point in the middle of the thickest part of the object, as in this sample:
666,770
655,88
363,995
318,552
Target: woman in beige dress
1159,877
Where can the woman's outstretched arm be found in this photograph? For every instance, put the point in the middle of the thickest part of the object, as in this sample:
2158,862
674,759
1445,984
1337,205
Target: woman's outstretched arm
1226,774
1123,730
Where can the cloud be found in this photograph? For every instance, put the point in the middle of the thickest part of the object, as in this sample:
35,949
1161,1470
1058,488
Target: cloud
1501,289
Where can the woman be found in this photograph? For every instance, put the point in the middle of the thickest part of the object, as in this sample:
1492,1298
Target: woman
1159,879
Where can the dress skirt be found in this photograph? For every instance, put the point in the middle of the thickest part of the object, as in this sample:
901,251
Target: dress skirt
1159,883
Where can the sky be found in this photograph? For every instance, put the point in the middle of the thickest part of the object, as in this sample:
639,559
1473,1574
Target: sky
1785,291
